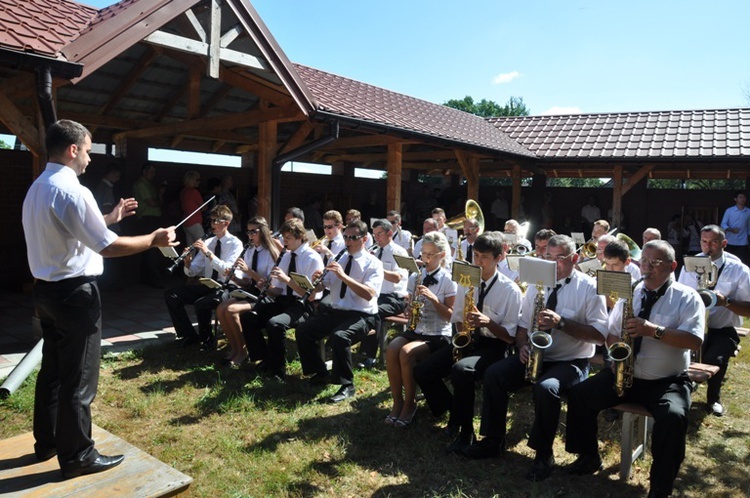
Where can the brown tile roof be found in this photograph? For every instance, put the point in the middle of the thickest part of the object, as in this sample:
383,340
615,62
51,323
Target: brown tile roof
42,27
636,135
383,108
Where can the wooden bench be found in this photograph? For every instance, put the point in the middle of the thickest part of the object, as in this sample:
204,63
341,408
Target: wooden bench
400,320
637,422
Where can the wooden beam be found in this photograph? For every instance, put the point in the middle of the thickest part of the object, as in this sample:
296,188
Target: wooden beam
243,149
224,122
195,25
298,138
133,76
217,145
616,195
218,97
176,97
267,138
638,176
20,126
194,94
393,184
470,169
231,34
247,82
214,43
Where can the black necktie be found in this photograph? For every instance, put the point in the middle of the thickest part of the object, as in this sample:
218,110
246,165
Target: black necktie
292,267
217,255
647,302
552,299
346,270
482,293
469,253
325,258
254,264
380,254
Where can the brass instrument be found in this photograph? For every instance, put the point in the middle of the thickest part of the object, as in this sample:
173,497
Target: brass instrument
539,340
635,251
464,338
416,305
588,250
471,210
316,243
706,278
622,352
460,252
519,249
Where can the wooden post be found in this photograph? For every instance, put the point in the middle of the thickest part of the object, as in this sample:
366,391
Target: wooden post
393,186
266,150
616,196
516,192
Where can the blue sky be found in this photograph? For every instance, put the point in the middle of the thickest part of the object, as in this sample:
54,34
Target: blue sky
570,56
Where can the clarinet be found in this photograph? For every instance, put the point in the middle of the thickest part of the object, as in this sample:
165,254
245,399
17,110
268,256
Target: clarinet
322,275
264,290
230,272
188,250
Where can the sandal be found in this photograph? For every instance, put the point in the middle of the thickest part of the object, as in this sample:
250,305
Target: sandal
404,423
390,420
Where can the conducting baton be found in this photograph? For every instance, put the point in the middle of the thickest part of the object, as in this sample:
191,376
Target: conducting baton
191,214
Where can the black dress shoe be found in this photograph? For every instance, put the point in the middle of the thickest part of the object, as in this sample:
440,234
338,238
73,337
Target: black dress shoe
459,444
187,341
585,465
345,392
101,464
208,344
540,469
320,379
367,363
486,448
655,493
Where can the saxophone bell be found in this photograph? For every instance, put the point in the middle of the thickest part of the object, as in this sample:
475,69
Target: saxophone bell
539,342
621,353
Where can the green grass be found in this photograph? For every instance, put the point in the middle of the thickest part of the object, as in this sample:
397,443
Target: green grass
239,435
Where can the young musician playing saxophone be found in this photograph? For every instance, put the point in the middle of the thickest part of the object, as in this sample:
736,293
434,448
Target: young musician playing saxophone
576,318
437,292
213,258
668,322
498,307
354,281
282,308
732,289
252,272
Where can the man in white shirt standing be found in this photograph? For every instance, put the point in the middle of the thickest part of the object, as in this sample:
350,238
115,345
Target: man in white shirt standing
66,237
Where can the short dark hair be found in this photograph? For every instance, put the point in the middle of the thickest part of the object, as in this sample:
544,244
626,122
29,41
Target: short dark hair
358,225
617,249
396,215
64,133
147,166
544,234
493,242
296,213
383,223
295,228
715,229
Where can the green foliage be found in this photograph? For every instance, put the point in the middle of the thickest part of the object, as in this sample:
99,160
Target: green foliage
489,109
698,184
4,145
575,182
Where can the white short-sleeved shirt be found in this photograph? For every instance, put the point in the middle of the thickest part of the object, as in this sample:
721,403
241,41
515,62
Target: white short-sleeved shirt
502,304
307,262
389,264
432,323
367,270
679,308
577,300
231,249
265,261
63,226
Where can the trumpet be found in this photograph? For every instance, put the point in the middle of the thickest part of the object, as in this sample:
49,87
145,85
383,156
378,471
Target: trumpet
316,243
464,338
191,250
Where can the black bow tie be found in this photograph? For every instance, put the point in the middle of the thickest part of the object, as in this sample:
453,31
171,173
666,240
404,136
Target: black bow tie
430,280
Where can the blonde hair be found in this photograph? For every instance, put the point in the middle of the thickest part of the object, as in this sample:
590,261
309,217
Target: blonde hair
438,240
189,177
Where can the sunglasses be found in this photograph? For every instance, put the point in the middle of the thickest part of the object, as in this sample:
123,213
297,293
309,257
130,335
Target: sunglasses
329,227
352,237
215,221
253,231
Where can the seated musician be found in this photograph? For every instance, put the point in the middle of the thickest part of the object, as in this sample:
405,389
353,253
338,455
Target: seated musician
732,290
291,213
429,225
392,293
401,237
493,319
630,267
668,322
437,293
214,257
281,309
354,283
334,241
512,227
576,317
471,232
260,256
599,228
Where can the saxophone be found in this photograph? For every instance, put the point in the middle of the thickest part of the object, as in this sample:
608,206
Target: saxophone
621,352
416,305
464,338
539,340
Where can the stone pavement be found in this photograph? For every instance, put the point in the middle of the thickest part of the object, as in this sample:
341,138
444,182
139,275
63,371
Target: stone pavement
131,318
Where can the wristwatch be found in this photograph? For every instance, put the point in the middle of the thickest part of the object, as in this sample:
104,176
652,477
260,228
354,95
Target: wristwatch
727,302
561,324
659,333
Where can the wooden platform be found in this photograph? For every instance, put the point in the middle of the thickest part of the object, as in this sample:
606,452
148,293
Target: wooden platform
139,475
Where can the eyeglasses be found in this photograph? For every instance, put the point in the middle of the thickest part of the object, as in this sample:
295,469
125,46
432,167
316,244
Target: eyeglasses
550,257
253,231
215,221
652,262
431,254
352,237
329,227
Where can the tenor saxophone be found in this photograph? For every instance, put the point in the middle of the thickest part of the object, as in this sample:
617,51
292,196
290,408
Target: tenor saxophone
416,305
464,338
622,352
539,340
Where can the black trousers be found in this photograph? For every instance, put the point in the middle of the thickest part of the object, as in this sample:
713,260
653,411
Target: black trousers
277,316
344,329
70,314
388,305
204,301
508,375
719,346
667,399
430,372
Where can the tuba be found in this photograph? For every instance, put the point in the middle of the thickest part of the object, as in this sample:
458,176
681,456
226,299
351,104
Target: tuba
539,340
464,338
471,210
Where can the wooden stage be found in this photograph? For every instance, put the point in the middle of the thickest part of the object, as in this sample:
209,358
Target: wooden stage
139,475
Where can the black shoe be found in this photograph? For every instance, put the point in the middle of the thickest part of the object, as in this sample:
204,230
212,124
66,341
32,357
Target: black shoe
540,469
585,465
345,392
320,379
716,409
450,431
187,341
486,448
44,455
101,464
208,344
655,493
367,363
460,443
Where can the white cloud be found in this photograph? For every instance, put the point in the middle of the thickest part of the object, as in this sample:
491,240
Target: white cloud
505,77
555,110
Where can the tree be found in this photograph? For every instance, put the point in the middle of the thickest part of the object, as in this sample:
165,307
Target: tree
489,109
4,145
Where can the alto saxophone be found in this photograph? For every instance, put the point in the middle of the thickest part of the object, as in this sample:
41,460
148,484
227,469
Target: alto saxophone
622,352
539,340
464,338
416,305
